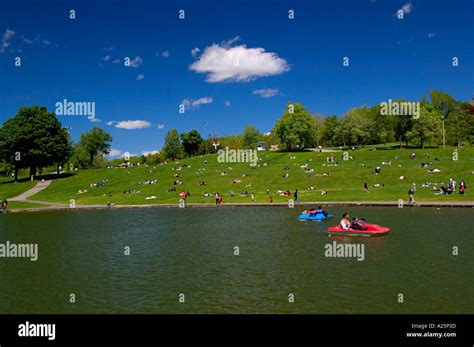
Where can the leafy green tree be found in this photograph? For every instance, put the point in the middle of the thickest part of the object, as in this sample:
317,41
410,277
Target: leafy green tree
270,139
296,128
231,141
426,128
95,142
357,124
80,157
402,125
34,138
191,142
319,123
330,127
450,111
250,136
173,149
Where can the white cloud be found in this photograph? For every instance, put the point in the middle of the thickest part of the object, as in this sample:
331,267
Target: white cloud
128,154
132,124
405,8
223,63
268,133
95,120
195,52
147,153
26,40
7,35
140,76
190,103
165,54
431,35
160,126
114,152
228,43
227,103
136,62
107,58
112,122
116,61
265,93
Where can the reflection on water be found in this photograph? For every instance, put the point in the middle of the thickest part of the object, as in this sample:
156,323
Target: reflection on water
192,252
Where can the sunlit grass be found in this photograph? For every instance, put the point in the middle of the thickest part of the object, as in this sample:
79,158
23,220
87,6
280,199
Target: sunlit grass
344,183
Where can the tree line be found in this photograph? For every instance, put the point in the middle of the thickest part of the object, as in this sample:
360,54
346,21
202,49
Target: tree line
35,139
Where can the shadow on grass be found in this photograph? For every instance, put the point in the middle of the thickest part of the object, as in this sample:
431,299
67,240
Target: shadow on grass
39,178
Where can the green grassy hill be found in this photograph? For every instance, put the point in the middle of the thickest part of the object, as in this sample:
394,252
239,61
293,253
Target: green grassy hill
10,189
343,183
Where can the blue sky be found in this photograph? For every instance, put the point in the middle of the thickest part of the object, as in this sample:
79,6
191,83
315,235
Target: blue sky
279,60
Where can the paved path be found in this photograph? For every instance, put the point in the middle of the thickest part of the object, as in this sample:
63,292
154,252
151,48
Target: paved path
36,189
23,197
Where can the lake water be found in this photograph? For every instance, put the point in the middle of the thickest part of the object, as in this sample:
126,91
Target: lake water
191,251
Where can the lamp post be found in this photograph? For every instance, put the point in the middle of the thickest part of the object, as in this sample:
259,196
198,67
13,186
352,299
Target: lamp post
205,126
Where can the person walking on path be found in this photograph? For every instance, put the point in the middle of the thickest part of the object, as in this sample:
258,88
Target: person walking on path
295,195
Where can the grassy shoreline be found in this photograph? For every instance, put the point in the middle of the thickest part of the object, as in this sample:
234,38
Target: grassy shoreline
298,206
309,172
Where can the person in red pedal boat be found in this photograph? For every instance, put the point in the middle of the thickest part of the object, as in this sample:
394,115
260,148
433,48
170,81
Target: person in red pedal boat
345,223
357,225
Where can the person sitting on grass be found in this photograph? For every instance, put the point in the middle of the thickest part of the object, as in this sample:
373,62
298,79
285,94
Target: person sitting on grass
344,223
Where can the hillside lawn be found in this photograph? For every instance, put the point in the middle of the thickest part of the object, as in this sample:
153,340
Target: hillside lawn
344,183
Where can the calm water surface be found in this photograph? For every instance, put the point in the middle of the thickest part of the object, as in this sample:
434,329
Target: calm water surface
191,251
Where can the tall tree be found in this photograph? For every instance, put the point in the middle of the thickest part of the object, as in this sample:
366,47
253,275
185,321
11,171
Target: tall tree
357,123
173,149
426,128
250,136
319,123
329,136
95,142
296,128
34,138
191,142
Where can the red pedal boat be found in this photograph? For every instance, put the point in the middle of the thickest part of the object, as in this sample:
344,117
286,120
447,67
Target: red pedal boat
372,230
